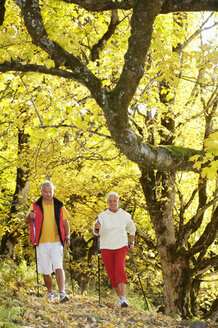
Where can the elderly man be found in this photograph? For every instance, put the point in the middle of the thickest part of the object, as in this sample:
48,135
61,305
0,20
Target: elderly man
49,232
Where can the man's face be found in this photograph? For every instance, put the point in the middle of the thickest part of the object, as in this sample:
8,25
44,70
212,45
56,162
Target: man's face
113,203
47,193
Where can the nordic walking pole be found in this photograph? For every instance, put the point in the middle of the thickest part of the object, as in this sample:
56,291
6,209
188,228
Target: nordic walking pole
69,261
37,276
99,273
140,281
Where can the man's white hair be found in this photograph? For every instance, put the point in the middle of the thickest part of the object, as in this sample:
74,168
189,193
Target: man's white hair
49,184
113,193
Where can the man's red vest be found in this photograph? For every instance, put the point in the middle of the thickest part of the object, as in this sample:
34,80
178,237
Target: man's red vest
35,229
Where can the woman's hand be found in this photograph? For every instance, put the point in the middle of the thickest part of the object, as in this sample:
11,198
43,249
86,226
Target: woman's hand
97,226
131,246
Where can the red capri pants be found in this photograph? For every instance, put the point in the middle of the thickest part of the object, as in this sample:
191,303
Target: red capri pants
114,262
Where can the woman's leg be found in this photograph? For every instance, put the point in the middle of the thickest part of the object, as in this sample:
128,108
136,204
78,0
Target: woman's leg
120,272
109,263
120,289
114,262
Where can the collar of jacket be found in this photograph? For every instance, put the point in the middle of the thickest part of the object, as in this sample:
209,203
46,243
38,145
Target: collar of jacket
57,202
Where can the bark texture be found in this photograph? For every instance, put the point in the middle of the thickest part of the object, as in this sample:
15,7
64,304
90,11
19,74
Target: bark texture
11,236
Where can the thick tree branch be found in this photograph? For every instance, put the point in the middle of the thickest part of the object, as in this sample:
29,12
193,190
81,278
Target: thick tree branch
208,237
183,207
103,5
205,264
17,66
168,6
34,24
193,224
144,14
2,11
101,43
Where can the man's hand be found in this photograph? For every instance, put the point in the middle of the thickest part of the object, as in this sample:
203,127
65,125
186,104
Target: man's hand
30,217
67,241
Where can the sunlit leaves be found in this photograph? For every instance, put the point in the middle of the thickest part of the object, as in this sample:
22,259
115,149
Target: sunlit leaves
211,143
208,164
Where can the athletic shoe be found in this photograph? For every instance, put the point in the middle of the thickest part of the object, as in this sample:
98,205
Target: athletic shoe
50,297
63,297
119,302
123,301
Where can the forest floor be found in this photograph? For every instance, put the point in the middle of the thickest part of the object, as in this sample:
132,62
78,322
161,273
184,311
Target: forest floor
30,311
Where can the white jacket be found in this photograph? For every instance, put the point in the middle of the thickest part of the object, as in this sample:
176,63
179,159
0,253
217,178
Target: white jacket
114,229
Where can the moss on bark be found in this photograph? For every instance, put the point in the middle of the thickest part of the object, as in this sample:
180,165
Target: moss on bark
182,152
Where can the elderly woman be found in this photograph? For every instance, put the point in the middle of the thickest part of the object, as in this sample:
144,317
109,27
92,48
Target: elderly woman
112,226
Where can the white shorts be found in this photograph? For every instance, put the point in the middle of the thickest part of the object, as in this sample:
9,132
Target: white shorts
49,257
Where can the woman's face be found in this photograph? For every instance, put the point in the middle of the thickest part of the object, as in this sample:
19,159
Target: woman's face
113,203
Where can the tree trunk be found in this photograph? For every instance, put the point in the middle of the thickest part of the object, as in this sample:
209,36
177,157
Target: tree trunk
159,191
9,239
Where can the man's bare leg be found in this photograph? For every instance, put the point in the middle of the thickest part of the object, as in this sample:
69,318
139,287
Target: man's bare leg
48,282
60,277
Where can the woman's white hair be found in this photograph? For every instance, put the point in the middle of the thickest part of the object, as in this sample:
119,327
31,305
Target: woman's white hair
49,184
113,193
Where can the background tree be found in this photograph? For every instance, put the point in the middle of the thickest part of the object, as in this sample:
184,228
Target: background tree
138,106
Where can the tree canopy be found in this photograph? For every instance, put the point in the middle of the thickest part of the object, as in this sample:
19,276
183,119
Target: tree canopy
114,102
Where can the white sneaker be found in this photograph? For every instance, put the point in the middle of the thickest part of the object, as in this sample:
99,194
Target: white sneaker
50,297
123,301
119,302
63,297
